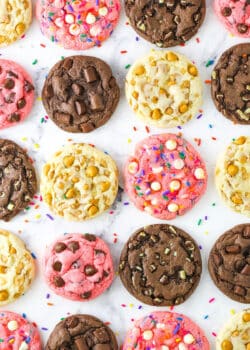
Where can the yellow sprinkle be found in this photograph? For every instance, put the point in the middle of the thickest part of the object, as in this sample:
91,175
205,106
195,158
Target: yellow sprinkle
206,232
24,138
11,341
39,98
36,146
37,216
129,140
131,305
178,340
232,312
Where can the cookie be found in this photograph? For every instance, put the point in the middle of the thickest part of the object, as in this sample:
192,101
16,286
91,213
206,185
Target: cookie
79,182
234,335
166,177
165,330
234,15
82,332
80,93
16,93
164,89
78,267
78,25
17,333
166,23
15,19
17,268
232,175
18,179
230,86
229,263
160,265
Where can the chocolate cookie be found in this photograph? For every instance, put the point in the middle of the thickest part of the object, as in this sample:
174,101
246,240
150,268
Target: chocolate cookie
166,23
81,332
229,263
231,84
80,93
18,182
160,265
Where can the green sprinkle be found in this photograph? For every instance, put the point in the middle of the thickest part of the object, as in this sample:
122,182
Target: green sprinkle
1,340
35,62
182,155
137,188
42,120
199,222
161,147
52,38
62,57
213,204
51,14
168,165
127,66
165,197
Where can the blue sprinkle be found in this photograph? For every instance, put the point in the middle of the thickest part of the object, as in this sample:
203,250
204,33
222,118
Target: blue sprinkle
177,328
33,255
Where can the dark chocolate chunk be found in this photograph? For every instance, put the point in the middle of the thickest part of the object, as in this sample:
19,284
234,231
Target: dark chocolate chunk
58,281
28,86
90,270
9,83
21,103
57,266
226,11
60,247
90,237
73,246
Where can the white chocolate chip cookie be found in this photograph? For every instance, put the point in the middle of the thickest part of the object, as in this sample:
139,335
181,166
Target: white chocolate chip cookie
79,182
15,18
164,89
232,175
17,268
235,335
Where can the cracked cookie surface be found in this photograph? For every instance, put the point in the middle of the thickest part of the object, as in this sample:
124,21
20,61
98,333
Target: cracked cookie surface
80,93
160,265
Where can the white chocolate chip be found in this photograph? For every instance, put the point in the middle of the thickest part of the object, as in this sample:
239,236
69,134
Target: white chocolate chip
179,164
160,326
199,173
59,22
12,325
94,31
175,185
188,338
133,167
23,346
157,170
59,3
171,145
164,347
90,19
147,335
74,29
173,208
182,346
69,18
148,210
103,11
155,186
154,201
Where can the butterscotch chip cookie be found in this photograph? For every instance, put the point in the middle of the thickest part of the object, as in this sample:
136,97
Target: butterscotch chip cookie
232,175
79,182
160,265
230,86
164,89
17,268
15,18
18,182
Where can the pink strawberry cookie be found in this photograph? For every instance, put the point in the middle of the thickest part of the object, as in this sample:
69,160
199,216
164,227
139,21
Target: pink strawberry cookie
77,24
78,267
16,333
234,15
166,176
165,331
16,93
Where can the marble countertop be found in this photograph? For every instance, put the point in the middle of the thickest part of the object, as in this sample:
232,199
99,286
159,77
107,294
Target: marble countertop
207,306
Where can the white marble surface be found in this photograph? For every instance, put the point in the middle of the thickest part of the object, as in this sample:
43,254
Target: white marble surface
119,138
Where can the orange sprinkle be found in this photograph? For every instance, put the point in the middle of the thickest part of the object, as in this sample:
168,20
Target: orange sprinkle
147,129
50,304
207,81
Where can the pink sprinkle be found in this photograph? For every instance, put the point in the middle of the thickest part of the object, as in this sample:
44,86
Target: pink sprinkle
123,305
211,300
214,334
111,212
123,51
198,40
42,45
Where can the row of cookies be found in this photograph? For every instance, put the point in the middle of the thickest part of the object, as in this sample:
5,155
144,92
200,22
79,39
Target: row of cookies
79,26
160,265
164,89
165,177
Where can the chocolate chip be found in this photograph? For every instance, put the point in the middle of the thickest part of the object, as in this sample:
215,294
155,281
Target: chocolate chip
102,347
28,87
10,98
21,103
239,291
73,246
90,74
9,83
99,251
246,232
1,70
246,270
80,107
164,279
77,89
86,295
49,92
105,274
233,249
57,266
90,237
60,247
96,102
58,281
226,11
72,322
80,344
90,270
14,117
12,74
63,118
242,28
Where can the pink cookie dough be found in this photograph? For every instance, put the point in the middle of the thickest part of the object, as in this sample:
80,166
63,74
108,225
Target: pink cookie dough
166,177
165,331
78,267
77,24
235,16
16,93
16,333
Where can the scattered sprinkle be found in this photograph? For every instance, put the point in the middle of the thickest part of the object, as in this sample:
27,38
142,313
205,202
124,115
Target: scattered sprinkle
211,300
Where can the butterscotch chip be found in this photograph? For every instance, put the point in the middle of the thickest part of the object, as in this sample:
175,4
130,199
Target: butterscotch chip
79,182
